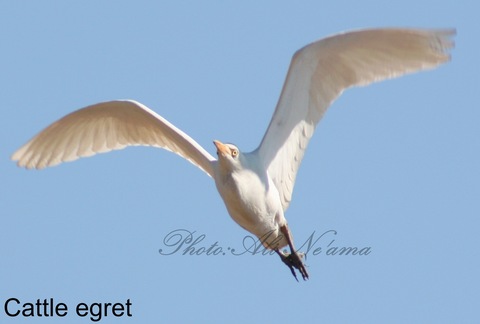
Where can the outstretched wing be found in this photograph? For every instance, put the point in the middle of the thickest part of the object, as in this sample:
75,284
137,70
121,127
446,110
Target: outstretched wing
320,72
104,127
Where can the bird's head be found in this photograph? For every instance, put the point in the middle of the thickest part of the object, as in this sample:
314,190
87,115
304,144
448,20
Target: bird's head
229,156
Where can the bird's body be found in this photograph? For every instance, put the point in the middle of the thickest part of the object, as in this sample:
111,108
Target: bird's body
256,187
252,199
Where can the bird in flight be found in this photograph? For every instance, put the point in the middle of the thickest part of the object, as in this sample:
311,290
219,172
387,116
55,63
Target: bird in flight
257,186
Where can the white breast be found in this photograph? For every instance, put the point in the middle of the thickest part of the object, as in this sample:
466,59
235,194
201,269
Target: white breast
253,202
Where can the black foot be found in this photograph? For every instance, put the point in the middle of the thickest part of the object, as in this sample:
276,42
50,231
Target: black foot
294,261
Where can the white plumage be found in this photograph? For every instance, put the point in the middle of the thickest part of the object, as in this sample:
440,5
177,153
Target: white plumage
257,186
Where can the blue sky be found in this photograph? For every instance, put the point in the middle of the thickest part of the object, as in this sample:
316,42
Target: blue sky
393,167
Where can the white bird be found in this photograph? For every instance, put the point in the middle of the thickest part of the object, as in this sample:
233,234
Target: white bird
256,187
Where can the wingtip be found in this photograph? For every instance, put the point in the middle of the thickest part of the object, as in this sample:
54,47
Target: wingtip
16,157
23,160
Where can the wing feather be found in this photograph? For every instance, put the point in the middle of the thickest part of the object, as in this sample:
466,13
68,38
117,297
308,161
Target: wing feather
321,71
104,127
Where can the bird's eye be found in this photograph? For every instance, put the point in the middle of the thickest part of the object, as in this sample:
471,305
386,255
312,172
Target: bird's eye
234,153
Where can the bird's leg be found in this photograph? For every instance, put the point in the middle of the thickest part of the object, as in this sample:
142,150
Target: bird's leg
287,260
293,260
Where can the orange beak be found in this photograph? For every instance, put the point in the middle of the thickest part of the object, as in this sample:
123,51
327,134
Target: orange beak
222,148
